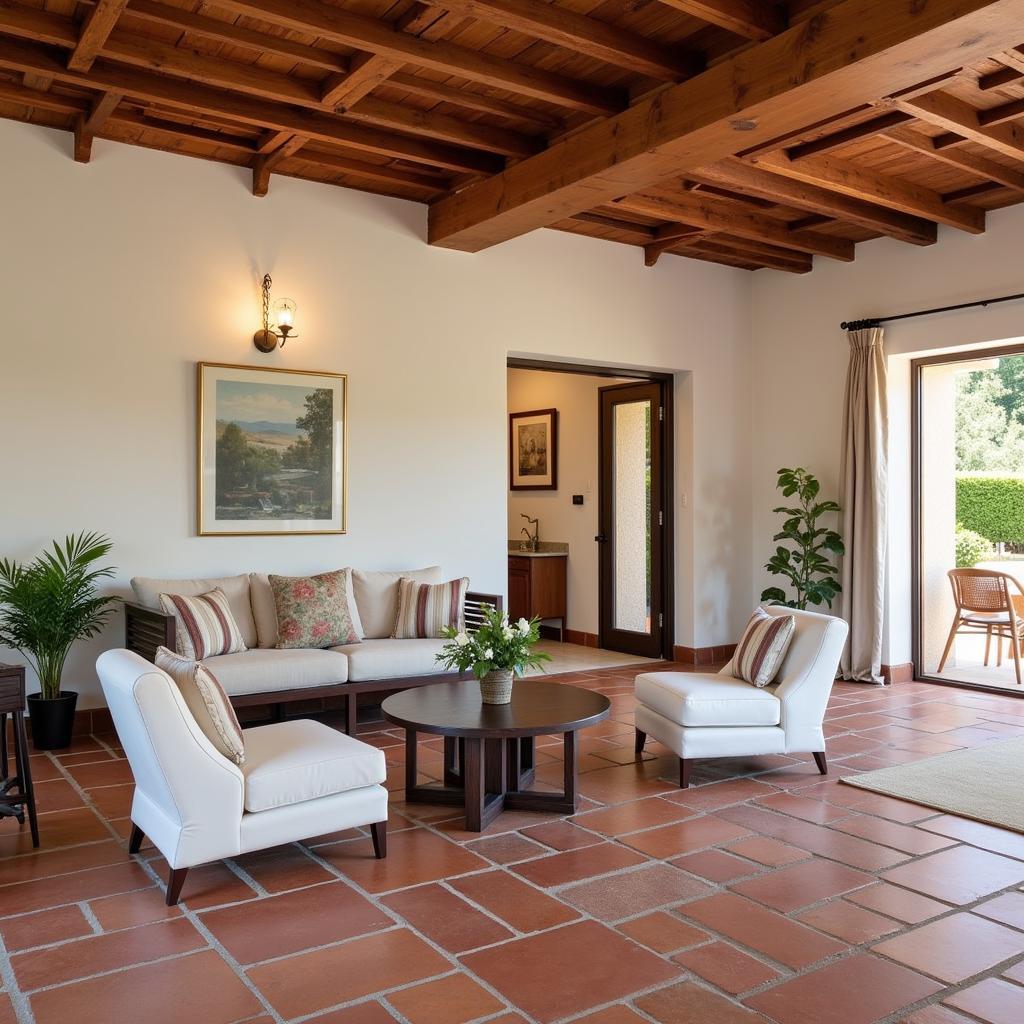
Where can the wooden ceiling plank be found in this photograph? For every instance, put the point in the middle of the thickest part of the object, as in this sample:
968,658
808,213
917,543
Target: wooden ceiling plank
713,215
378,172
998,79
823,201
872,186
852,134
859,52
752,19
1013,58
796,263
582,34
990,170
956,116
376,36
1001,114
96,27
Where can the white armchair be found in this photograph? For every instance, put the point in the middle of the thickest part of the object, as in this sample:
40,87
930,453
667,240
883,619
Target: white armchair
301,778
698,714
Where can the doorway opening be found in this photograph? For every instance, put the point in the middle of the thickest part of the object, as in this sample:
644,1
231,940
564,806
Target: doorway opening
590,547
968,517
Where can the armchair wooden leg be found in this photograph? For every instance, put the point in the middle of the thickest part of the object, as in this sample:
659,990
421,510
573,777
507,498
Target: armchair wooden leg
135,839
684,772
379,834
638,742
175,881
819,760
949,642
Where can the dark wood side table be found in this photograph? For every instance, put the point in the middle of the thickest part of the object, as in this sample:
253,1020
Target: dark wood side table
489,748
16,793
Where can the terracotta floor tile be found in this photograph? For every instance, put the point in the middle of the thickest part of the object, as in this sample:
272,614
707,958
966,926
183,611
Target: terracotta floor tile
261,929
113,801
848,922
977,833
7,1014
685,836
800,885
209,885
573,865
73,888
101,773
56,829
617,1014
936,1014
617,785
690,1004
132,908
507,848
992,1000
1007,909
561,835
199,987
282,868
802,807
56,795
604,966
634,815
42,928
715,865
363,1013
860,989
452,1000
630,892
866,802
98,953
445,918
43,863
758,928
663,932
1015,973
322,978
953,948
767,851
525,908
890,833
713,796
959,875
909,907
726,967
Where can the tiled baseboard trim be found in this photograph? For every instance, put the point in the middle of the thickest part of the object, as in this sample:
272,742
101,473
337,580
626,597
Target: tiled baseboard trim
902,673
703,655
577,636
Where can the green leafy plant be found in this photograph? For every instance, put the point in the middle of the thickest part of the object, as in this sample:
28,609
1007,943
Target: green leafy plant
971,547
49,603
992,505
495,645
806,563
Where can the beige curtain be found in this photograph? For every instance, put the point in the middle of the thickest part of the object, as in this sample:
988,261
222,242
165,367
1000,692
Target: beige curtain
863,485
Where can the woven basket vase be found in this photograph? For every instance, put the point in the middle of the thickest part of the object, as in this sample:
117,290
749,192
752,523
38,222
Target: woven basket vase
496,687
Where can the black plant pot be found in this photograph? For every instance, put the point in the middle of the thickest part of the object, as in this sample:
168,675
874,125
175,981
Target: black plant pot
53,721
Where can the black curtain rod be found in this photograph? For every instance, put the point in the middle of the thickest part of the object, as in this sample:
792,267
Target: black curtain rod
875,321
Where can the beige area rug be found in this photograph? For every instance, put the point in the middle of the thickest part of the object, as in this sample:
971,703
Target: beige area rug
985,783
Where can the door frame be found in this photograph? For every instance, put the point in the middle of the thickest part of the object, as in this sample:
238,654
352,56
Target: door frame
917,366
666,381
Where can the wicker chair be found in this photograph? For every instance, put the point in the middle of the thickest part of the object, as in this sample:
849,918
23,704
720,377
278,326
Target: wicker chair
985,604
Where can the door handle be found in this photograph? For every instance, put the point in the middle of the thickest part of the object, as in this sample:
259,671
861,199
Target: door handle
601,538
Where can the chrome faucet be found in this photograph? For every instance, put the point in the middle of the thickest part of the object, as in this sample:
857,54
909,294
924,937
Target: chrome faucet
533,538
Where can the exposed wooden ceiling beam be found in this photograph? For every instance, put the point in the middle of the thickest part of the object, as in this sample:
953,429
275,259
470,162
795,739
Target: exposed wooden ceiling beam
1001,114
665,239
874,187
87,125
990,170
376,36
581,34
859,52
864,130
387,173
793,262
752,19
97,26
956,116
826,202
1013,58
715,215
264,163
368,70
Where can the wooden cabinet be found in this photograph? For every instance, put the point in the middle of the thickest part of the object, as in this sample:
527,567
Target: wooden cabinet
536,587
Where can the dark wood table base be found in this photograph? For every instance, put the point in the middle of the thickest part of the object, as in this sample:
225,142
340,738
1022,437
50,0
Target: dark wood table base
488,776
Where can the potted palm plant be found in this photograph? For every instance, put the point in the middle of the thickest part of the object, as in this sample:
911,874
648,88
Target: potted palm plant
496,652
45,606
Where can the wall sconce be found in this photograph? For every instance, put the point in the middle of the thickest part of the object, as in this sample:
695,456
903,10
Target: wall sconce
283,310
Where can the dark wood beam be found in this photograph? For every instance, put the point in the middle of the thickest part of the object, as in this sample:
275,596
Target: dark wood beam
87,125
264,163
752,19
864,130
98,24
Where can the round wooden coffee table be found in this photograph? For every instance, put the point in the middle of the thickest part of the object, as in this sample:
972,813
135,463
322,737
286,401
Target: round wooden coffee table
489,748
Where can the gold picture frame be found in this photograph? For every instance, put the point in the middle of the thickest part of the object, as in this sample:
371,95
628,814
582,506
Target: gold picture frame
271,451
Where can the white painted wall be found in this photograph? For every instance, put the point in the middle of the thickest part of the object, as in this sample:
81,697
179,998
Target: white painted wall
800,356
120,275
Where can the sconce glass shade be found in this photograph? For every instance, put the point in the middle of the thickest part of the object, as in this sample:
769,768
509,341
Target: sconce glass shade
284,314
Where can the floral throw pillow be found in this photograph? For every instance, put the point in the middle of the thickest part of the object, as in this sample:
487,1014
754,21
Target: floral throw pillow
313,611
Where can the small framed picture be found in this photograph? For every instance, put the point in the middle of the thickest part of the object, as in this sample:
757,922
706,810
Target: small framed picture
533,450
272,451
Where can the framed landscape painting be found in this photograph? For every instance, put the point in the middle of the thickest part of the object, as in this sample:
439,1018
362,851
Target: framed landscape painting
272,453
533,450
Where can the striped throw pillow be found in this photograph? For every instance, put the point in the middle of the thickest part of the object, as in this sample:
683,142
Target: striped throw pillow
762,647
314,611
425,609
207,701
204,625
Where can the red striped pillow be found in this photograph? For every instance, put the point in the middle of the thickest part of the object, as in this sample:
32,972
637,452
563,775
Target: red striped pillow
762,647
204,625
426,609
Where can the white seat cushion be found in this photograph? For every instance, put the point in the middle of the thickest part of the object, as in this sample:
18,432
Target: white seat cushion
291,762
263,671
699,699
392,659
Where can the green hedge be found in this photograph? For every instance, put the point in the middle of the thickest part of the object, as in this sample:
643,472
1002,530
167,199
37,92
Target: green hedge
992,506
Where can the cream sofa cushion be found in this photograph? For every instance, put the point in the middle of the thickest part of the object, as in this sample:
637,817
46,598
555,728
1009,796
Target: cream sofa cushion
699,699
291,762
264,610
377,597
262,671
391,659
236,589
